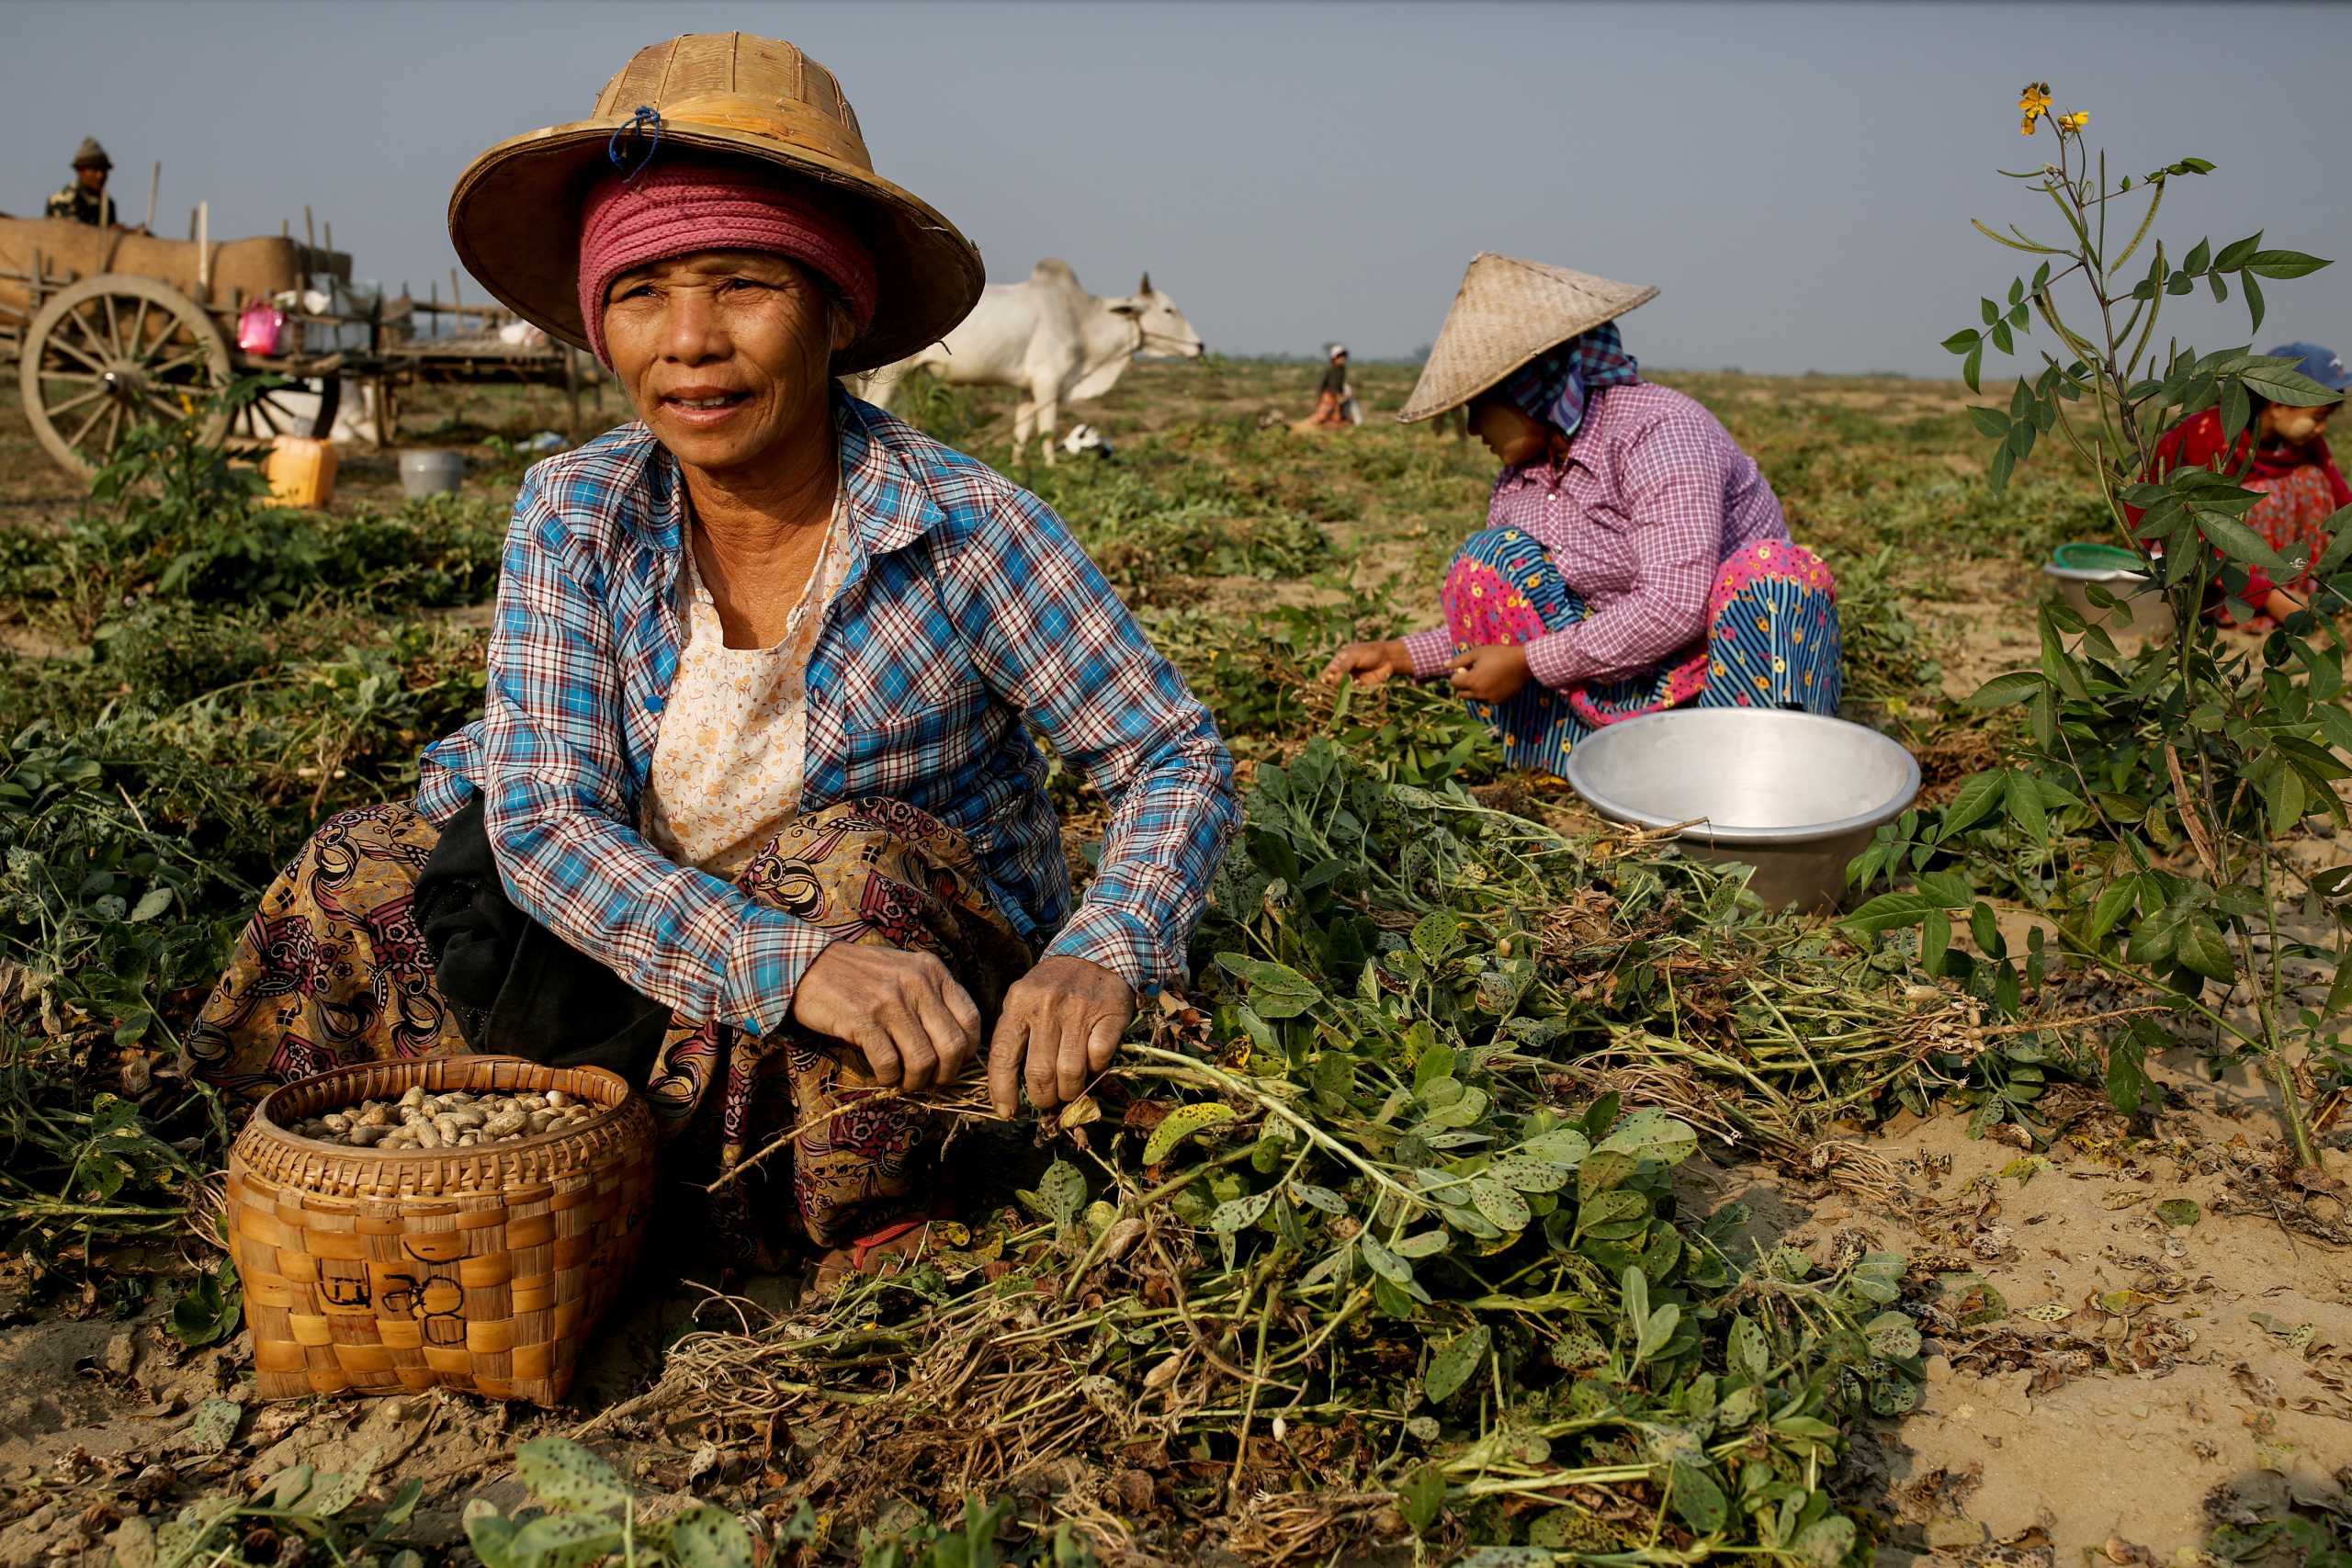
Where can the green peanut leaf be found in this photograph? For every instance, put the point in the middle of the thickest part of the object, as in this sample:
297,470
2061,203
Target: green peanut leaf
1240,1214
1826,1543
1181,1123
1436,935
490,1533
1062,1189
1321,1198
563,1540
1697,1501
557,1469
1652,1134
705,1536
333,1493
1456,1364
1529,1175
1565,1148
1502,1206
1893,1335
1422,1499
1276,990
1749,1355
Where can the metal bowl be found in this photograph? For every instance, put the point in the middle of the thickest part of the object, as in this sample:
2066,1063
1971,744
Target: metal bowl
428,471
1795,795
2142,613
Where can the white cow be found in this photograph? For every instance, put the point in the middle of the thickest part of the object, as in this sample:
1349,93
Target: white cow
1052,341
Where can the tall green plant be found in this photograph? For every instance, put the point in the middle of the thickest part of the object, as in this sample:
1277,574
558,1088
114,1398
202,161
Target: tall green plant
2144,812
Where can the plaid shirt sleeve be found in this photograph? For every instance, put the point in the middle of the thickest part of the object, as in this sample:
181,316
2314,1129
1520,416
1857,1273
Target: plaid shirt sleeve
555,804
1431,652
1057,642
1672,480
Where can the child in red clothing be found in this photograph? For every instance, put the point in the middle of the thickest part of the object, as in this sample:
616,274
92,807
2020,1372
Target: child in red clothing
2290,462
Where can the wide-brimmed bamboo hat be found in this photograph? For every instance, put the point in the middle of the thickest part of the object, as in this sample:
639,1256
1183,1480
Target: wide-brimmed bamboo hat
1506,313
514,217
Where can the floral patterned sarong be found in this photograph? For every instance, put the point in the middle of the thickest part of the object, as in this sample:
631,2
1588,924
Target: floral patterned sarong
333,970
1772,642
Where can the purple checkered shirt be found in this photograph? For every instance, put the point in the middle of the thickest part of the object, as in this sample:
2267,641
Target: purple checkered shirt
1654,497
968,614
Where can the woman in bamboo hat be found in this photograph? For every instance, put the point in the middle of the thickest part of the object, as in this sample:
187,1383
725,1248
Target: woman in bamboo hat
752,813
1633,559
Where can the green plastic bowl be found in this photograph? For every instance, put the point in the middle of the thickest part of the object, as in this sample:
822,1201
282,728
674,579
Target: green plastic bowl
2085,557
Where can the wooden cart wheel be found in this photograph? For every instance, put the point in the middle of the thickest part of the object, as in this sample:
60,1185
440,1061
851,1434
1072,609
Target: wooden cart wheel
303,406
111,353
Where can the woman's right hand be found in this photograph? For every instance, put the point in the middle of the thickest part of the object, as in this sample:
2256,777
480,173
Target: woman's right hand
917,1028
1369,663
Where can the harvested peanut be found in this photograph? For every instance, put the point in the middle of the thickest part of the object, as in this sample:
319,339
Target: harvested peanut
456,1119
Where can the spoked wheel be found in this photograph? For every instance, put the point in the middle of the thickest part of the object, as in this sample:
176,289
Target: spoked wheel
112,353
303,406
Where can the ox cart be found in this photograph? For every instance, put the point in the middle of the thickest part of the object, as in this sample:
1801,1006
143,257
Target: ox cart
111,329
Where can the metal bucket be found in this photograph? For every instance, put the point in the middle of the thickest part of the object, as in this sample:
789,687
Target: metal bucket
1796,796
2143,611
425,473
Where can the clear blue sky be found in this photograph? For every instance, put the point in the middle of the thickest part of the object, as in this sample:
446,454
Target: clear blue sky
1796,178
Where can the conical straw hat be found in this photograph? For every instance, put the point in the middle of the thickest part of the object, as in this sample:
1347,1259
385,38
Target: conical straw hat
514,217
1506,313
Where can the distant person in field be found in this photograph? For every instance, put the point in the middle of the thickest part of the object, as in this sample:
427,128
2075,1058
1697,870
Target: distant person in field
1334,401
752,816
2283,453
1633,559
86,201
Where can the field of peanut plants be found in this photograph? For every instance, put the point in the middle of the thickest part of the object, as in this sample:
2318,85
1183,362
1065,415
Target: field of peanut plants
1506,1189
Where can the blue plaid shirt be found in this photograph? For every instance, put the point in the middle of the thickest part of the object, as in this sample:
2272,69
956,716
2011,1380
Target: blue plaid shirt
966,609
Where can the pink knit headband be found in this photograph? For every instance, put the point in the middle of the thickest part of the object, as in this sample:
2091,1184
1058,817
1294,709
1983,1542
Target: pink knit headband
679,207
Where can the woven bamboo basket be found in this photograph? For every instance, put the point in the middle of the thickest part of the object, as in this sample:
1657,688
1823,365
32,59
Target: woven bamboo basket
484,1269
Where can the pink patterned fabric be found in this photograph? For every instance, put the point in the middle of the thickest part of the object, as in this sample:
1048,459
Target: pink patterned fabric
677,209
1652,499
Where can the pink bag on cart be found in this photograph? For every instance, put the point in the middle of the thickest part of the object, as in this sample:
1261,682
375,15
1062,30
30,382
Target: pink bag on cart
261,329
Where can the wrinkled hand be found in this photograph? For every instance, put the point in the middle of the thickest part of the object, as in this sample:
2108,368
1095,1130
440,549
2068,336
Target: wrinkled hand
917,1028
1064,1019
1491,674
1369,663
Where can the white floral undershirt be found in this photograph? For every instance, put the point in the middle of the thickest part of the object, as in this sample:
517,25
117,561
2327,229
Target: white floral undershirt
731,756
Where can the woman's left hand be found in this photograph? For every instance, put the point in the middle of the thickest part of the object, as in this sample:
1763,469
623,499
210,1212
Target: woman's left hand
1491,674
1064,1019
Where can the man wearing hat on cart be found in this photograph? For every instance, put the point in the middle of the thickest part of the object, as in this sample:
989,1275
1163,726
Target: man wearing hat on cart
86,201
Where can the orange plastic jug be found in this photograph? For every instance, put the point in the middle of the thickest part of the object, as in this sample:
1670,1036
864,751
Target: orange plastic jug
301,470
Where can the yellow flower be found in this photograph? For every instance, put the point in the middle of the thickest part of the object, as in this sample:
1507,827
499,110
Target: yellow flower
2073,123
2033,102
